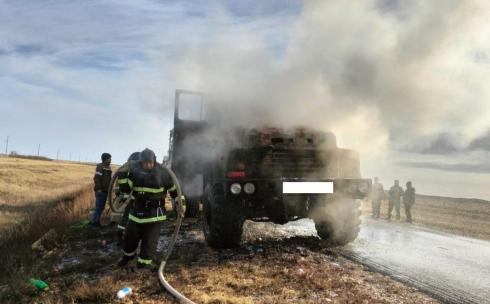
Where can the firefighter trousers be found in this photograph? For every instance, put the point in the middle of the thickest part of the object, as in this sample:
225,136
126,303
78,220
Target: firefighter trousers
121,227
148,234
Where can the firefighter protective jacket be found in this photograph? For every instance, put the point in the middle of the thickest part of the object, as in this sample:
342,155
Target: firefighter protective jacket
149,189
102,177
122,178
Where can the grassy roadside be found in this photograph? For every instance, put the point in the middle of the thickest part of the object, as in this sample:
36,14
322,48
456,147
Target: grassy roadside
18,257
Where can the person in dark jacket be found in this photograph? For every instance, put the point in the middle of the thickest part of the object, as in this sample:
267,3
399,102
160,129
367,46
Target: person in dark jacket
125,192
102,181
409,201
149,183
395,194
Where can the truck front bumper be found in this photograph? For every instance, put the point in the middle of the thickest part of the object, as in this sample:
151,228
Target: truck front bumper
284,187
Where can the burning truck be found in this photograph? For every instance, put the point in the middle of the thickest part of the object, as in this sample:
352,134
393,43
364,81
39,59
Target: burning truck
263,174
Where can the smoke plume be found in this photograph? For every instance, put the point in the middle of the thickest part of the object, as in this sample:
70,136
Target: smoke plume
381,74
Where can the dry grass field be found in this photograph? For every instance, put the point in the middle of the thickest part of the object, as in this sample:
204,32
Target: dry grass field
36,196
466,217
27,184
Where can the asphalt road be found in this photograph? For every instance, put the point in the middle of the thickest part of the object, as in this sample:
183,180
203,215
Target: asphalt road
453,269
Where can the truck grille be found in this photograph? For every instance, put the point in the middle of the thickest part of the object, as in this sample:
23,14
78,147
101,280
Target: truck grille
292,163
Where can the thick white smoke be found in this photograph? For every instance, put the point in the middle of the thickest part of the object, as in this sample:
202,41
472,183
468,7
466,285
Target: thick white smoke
382,75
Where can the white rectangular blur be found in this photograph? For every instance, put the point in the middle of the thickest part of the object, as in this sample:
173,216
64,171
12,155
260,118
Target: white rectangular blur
307,187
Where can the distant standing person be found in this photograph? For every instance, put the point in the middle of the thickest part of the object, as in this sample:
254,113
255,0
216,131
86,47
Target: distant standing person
376,195
409,201
102,180
395,193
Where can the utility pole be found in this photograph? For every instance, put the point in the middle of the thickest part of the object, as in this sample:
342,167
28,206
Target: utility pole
57,154
70,156
38,149
7,146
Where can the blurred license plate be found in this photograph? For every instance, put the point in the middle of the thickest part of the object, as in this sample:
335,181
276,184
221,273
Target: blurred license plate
307,187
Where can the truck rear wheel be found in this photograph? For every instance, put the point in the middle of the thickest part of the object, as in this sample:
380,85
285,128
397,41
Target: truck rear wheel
222,221
338,222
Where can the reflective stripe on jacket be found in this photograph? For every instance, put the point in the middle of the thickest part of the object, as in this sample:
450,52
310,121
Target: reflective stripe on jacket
149,190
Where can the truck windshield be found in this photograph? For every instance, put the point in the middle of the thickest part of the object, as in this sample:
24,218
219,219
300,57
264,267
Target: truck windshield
191,107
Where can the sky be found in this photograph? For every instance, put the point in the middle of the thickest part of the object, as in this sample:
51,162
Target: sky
403,82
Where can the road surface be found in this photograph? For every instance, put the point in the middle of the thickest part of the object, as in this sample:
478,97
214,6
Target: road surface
453,269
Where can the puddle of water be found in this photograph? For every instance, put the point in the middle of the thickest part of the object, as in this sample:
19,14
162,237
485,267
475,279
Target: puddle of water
69,261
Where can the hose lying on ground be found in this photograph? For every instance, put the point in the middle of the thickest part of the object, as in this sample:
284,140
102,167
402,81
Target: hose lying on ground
180,215
178,223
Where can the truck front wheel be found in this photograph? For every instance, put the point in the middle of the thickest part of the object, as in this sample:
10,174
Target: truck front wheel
192,207
222,221
338,222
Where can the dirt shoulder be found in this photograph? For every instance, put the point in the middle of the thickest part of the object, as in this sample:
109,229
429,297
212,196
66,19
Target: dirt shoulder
265,269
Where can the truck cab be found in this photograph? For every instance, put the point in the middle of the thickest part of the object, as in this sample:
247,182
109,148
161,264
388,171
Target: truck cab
266,173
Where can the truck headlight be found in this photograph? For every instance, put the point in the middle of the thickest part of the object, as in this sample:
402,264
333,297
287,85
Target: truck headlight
235,188
363,187
352,187
249,188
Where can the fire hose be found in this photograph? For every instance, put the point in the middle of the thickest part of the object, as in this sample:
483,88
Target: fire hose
180,215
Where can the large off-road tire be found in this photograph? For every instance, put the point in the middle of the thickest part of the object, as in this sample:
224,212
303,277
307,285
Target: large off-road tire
192,207
222,221
338,222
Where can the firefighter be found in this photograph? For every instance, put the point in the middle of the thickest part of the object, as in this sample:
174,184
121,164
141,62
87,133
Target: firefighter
376,195
395,193
102,181
125,193
148,182
409,201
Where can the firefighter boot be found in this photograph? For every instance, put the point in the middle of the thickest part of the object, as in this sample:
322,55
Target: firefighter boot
124,260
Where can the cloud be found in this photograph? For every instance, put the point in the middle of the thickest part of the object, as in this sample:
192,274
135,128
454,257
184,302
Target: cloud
441,145
410,78
88,75
447,144
481,143
386,76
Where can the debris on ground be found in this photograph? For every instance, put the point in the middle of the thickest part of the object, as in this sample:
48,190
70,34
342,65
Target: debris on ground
46,242
39,284
265,269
